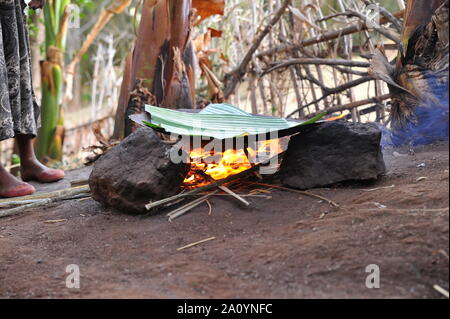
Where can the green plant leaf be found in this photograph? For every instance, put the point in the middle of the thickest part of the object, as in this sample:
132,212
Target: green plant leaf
219,121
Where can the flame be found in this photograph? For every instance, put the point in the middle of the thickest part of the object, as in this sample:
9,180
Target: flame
224,164
335,118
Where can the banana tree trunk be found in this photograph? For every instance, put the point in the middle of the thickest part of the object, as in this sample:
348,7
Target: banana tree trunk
50,137
161,68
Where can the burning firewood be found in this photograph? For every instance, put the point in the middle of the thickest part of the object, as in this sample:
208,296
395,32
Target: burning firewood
229,180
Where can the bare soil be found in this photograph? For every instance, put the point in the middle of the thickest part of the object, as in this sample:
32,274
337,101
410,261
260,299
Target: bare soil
288,246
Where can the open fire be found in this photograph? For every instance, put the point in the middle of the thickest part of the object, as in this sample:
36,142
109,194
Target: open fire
207,166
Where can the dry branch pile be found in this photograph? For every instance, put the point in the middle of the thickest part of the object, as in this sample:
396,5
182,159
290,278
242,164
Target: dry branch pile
286,53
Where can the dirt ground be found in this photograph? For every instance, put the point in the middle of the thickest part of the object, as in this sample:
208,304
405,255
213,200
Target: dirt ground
286,246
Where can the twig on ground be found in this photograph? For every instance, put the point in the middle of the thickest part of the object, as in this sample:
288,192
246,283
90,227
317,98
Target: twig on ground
443,253
186,208
17,210
233,194
44,199
196,243
298,192
210,207
225,189
441,290
402,210
18,203
55,221
248,195
376,189
73,191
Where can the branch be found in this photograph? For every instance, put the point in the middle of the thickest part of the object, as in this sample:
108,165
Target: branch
379,29
388,16
328,36
105,16
236,75
352,105
318,61
337,90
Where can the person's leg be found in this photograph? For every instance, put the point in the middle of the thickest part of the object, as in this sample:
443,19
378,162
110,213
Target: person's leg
12,187
30,168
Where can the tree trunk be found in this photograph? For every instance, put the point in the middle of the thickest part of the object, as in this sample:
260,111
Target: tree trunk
161,68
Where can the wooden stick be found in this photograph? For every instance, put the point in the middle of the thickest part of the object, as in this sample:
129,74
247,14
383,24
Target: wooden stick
225,189
55,221
298,192
81,182
65,192
230,192
196,243
422,210
186,208
45,199
229,179
17,210
443,253
378,188
82,196
18,203
249,195
209,207
441,290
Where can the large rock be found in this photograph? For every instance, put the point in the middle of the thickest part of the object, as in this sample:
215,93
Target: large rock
136,171
333,152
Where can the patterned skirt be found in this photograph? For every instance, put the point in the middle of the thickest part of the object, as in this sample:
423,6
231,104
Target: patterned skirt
19,111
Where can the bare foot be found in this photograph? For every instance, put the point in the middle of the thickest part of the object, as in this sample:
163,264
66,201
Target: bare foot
33,170
12,187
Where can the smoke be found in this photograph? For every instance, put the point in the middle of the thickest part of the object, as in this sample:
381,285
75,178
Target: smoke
430,123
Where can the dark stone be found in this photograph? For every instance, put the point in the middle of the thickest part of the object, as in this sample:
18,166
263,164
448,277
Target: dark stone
135,172
333,152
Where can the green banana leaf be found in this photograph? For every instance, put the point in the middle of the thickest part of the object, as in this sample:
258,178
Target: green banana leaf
220,121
